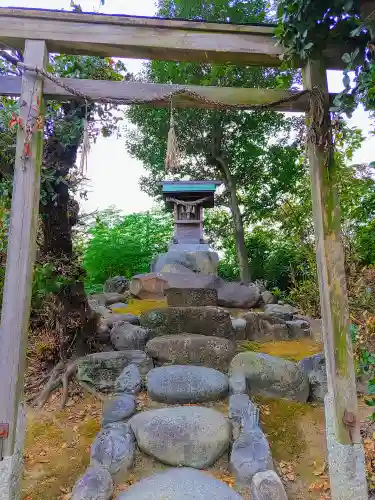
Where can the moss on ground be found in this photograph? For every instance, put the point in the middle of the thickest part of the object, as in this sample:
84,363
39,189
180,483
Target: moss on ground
294,350
137,306
57,449
280,420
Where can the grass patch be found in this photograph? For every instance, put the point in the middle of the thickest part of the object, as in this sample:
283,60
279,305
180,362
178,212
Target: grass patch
279,419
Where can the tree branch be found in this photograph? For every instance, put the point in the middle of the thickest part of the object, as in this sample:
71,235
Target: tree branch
8,57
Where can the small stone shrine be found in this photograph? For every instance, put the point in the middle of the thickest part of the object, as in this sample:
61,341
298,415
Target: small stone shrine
187,199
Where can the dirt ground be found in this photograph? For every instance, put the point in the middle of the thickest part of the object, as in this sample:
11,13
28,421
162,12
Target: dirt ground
58,442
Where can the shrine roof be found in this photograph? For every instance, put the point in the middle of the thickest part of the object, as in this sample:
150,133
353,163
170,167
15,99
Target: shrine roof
189,186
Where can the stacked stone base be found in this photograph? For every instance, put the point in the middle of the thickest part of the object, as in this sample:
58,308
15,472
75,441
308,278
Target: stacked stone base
184,356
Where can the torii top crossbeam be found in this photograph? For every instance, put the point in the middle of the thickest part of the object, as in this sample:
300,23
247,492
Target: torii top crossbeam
146,37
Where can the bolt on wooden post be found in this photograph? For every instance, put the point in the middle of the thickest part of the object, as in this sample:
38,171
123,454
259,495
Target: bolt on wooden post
20,262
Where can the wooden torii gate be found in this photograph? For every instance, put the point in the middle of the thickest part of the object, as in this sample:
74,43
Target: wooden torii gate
38,32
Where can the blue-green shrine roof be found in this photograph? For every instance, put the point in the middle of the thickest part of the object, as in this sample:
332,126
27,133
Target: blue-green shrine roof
189,186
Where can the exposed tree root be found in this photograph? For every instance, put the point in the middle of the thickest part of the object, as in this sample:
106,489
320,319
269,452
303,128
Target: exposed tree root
60,376
92,391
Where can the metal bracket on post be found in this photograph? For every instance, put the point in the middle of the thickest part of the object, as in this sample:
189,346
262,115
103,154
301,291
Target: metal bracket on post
4,433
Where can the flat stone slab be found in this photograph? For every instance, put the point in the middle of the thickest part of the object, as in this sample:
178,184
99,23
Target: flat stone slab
250,454
271,376
211,321
114,449
95,484
180,484
189,436
101,369
186,384
129,380
193,349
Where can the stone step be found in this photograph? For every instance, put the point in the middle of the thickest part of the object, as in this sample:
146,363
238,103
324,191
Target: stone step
191,436
187,348
182,484
186,384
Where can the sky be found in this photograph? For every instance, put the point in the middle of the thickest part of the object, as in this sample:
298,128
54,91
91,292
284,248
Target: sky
113,174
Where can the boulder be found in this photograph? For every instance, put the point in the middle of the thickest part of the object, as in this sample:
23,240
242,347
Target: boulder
107,299
103,368
186,384
148,286
261,327
315,368
191,280
117,284
191,297
268,297
193,349
267,485
117,318
99,309
298,329
118,409
198,262
180,484
120,427
271,376
281,311
114,450
236,295
95,484
211,321
98,298
315,326
193,436
129,380
154,285
176,269
239,326
127,336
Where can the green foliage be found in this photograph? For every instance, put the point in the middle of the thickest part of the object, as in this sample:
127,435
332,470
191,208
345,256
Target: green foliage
125,248
232,146
306,25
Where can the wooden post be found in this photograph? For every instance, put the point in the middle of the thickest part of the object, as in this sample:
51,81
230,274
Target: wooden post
331,273
21,250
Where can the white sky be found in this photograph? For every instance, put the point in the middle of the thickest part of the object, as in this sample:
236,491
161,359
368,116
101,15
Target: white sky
113,174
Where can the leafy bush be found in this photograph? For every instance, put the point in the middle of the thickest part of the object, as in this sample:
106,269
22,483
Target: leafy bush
125,248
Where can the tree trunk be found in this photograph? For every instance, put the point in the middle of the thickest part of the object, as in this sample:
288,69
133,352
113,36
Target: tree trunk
239,231
74,322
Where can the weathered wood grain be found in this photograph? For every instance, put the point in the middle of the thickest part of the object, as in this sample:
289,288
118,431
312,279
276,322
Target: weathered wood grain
11,86
331,275
146,38
21,251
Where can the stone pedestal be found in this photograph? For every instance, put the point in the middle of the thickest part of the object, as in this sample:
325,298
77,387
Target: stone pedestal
346,463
